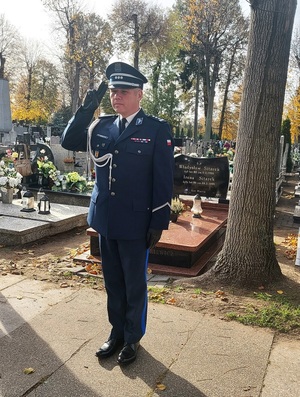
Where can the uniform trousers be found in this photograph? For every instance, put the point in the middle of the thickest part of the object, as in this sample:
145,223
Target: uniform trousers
124,266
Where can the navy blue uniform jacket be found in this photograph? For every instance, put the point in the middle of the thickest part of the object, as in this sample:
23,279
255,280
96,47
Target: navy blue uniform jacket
133,191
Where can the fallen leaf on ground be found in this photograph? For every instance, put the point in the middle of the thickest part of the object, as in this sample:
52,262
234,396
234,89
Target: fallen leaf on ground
171,301
93,268
160,386
28,371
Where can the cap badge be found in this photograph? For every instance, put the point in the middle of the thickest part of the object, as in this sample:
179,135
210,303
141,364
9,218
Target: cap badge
118,67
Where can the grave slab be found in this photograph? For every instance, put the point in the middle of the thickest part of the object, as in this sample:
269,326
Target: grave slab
190,243
18,227
185,248
296,216
15,231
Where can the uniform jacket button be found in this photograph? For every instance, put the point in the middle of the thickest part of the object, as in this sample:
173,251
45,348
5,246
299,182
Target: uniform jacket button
113,180
115,165
112,193
116,151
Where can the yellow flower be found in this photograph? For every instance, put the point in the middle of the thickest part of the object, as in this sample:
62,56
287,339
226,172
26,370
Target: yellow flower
177,206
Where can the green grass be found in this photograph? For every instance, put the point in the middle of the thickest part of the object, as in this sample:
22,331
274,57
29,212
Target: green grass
198,291
157,294
277,313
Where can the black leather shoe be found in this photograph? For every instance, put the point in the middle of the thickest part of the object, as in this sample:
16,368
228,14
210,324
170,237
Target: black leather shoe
128,353
109,348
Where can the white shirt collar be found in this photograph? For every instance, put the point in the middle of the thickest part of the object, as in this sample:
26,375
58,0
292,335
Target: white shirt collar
129,118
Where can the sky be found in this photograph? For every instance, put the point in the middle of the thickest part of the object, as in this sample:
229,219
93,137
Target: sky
33,22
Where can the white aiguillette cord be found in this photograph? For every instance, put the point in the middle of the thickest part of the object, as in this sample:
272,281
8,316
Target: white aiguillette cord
106,159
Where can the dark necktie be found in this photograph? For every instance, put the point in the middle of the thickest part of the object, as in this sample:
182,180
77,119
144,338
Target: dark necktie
122,125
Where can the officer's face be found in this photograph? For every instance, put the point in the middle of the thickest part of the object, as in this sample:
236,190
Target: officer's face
126,101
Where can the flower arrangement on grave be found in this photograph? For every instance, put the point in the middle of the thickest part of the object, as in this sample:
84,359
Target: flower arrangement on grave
46,168
210,153
177,206
76,182
9,177
9,156
229,153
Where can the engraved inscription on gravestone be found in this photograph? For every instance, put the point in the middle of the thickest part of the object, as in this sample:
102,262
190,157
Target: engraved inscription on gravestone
208,177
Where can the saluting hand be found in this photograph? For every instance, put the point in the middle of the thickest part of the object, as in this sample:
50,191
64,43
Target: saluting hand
94,97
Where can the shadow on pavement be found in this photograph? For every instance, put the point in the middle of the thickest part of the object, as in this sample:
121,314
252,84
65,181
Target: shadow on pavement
23,348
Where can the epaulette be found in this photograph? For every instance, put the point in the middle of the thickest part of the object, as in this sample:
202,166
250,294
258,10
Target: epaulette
157,119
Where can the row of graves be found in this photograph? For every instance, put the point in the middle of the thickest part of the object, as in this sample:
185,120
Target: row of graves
65,176
42,195
199,207
198,227
200,203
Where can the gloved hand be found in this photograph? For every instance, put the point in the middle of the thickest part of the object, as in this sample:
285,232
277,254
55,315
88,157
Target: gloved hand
153,237
94,97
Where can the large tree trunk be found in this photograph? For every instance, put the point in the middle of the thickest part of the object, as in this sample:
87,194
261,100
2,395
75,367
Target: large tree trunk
248,256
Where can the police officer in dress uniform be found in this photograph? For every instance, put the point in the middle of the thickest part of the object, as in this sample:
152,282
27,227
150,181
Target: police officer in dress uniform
130,203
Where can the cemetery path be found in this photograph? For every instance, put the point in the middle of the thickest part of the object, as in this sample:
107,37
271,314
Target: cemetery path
51,260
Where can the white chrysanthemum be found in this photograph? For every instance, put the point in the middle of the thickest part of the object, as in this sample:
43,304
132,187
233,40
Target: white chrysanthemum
3,180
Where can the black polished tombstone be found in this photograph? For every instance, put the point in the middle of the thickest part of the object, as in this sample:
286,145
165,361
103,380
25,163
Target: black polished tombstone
208,177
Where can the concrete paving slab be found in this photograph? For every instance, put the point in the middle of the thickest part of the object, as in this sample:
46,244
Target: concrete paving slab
47,341
156,280
57,331
9,280
283,373
190,353
222,359
106,378
22,299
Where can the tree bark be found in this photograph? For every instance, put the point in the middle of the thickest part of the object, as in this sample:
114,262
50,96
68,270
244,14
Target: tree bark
248,257
2,63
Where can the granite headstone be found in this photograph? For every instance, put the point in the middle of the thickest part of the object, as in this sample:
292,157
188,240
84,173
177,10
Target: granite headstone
208,177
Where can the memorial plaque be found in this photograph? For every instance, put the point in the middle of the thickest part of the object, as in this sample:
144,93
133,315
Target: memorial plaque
208,177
